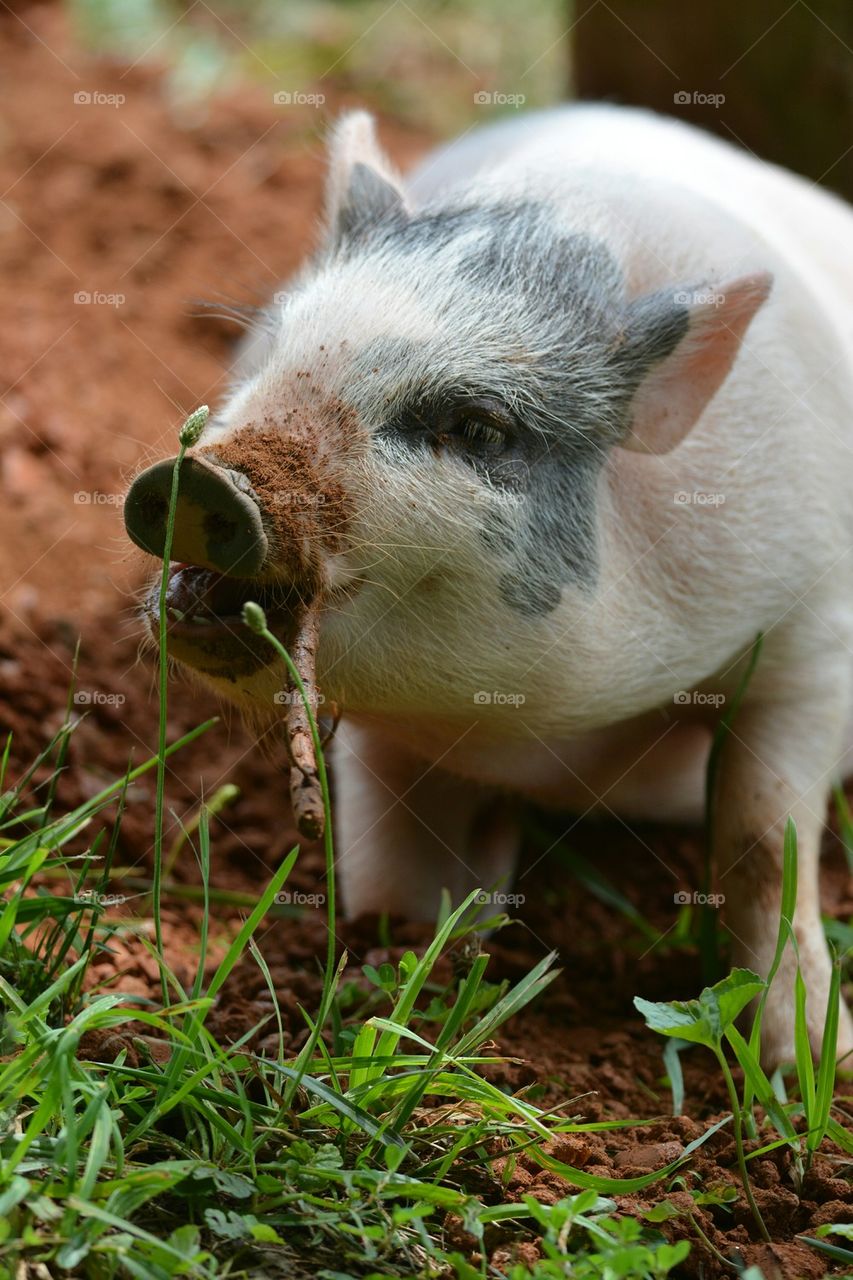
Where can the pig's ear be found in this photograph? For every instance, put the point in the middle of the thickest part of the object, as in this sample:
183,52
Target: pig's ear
362,187
678,347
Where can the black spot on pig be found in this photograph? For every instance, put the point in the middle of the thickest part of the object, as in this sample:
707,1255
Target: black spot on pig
568,275
505,246
436,228
556,545
531,594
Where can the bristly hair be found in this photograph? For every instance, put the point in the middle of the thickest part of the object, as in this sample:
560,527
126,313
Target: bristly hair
243,314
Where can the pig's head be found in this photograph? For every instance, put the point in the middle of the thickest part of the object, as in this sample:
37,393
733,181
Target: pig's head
417,438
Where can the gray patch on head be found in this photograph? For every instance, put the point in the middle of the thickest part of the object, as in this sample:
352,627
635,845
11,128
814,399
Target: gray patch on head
577,350
556,545
499,533
559,273
532,595
437,227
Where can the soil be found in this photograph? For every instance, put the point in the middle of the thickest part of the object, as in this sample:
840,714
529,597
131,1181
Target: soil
134,201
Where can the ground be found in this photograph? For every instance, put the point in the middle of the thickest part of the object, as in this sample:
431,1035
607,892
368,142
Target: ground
143,212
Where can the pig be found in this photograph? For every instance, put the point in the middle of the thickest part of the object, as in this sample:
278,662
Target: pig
548,435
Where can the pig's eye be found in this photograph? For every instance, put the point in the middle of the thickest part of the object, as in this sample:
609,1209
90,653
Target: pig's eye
480,432
484,428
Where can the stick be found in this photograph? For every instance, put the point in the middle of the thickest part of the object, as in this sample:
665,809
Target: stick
305,792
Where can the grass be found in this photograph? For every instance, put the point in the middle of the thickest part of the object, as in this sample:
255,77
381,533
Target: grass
366,1153
148,1168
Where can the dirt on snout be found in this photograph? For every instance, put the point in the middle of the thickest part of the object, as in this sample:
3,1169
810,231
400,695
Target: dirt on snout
112,220
306,508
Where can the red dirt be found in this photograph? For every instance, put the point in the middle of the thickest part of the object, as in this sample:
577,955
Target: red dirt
131,201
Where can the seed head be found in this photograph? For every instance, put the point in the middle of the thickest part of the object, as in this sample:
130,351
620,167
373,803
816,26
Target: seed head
194,425
254,617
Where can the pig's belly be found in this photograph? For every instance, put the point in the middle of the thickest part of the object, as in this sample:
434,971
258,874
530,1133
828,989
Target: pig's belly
648,771
654,773
651,768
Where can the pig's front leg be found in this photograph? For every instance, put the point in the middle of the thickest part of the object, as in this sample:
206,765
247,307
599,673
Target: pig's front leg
405,830
779,760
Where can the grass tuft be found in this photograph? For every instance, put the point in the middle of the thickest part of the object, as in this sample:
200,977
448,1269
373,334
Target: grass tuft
136,1143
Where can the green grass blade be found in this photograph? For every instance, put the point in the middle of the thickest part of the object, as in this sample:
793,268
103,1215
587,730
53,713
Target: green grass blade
672,1062
825,1084
783,933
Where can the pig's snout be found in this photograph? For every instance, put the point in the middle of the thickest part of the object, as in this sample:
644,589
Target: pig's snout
218,522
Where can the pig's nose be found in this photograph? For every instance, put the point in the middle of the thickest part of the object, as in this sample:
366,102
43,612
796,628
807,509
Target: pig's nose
217,524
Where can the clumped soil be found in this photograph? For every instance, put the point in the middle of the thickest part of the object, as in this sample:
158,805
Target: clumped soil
135,201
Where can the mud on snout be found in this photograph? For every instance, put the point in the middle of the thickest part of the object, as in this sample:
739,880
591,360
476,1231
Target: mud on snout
255,519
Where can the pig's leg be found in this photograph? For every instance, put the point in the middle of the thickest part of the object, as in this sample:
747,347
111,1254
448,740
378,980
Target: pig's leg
779,760
404,831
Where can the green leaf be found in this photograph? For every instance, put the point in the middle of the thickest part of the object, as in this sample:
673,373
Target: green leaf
17,1189
264,1233
703,1021
758,1085
662,1212
843,1229
230,1184
618,1186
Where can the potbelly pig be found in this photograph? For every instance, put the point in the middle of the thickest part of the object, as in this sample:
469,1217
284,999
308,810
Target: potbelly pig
547,435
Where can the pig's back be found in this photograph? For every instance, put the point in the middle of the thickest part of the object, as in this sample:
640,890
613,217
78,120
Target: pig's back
809,228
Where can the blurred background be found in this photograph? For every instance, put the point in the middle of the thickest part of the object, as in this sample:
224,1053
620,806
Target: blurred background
421,62
775,76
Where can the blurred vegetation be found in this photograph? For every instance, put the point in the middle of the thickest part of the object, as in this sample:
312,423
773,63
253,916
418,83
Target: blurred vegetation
423,62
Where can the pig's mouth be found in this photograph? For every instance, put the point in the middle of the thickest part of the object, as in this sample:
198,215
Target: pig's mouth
204,625
205,630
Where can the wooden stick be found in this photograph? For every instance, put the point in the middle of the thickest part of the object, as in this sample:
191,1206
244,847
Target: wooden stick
305,793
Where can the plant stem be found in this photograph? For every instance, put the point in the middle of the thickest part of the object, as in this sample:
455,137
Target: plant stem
738,1127
156,887
328,846
708,1245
